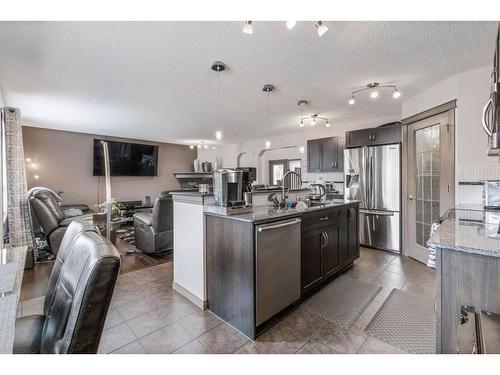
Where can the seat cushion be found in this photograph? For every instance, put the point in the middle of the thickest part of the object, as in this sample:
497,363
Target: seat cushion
145,217
28,334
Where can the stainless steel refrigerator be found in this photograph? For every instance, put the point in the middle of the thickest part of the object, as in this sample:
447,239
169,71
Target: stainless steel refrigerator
373,176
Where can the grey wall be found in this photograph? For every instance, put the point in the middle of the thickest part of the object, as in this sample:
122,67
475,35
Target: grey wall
64,161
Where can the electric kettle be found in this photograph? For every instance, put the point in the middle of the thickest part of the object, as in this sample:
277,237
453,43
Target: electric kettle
318,191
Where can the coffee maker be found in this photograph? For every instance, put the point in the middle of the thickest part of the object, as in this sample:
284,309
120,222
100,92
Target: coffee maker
249,176
228,191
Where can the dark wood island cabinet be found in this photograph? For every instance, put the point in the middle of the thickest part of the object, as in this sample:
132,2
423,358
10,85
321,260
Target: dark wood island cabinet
328,242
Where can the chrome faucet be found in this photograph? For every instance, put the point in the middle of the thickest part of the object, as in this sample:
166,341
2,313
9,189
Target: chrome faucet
283,194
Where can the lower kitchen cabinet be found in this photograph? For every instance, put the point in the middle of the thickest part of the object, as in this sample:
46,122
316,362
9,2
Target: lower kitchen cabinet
258,270
312,250
329,244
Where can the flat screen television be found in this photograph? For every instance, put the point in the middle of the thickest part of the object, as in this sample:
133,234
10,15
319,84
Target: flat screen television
126,159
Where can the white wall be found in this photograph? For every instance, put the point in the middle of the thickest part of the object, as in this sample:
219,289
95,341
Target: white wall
251,149
471,90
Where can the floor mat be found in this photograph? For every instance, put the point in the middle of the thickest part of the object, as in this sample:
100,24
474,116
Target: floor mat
342,301
406,320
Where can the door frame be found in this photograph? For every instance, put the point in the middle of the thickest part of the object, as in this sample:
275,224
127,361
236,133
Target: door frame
446,157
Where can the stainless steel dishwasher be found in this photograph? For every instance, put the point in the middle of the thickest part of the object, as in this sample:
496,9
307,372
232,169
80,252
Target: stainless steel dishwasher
277,262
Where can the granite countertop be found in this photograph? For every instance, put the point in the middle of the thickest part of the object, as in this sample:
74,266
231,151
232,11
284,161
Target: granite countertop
470,230
189,193
266,213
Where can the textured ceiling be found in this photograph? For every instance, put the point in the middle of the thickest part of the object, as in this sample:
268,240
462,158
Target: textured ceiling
152,80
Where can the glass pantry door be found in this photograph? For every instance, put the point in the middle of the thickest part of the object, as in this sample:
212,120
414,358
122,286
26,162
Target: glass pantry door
430,179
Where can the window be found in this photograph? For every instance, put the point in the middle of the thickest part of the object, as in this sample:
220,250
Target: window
277,169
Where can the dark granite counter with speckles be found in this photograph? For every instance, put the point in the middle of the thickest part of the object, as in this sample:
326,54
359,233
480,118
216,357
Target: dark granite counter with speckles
268,213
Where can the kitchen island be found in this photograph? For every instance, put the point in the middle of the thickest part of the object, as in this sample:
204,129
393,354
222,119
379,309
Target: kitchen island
260,264
467,245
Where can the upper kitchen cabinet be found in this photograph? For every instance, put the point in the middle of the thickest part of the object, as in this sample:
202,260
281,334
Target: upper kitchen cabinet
325,154
384,134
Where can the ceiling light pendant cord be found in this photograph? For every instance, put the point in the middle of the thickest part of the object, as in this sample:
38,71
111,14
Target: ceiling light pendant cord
267,109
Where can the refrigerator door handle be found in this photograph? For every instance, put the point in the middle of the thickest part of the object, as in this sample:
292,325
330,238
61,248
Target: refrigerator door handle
380,213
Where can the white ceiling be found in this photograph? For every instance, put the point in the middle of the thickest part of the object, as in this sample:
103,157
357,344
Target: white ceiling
152,80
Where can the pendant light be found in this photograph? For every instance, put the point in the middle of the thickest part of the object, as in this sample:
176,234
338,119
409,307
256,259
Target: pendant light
218,67
267,89
302,104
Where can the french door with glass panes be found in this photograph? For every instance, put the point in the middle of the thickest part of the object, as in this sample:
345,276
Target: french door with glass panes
430,179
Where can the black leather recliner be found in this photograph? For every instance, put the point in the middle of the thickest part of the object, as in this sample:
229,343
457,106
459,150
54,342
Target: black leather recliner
78,296
47,212
153,232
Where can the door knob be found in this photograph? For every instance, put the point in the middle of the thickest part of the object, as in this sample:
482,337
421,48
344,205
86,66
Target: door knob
410,197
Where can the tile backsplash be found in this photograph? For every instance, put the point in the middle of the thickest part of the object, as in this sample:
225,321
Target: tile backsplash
471,172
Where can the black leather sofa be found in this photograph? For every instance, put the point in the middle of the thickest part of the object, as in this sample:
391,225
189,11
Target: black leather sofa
48,214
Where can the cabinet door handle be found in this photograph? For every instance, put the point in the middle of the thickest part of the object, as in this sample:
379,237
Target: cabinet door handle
326,238
322,240
323,218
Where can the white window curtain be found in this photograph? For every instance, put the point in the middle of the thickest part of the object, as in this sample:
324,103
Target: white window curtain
19,226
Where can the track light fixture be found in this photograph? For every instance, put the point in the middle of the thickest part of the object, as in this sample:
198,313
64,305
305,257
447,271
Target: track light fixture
374,91
201,145
314,120
290,24
321,28
248,27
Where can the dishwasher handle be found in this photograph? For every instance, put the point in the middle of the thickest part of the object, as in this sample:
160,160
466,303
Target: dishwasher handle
279,225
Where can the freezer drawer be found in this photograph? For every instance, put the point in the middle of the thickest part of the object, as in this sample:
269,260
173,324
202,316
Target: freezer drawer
277,267
380,229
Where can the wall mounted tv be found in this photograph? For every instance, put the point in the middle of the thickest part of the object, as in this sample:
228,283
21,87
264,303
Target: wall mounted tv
126,159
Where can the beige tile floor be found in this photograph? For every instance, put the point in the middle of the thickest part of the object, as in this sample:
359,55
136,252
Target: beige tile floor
146,316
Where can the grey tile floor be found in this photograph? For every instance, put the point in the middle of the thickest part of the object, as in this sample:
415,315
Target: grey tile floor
147,316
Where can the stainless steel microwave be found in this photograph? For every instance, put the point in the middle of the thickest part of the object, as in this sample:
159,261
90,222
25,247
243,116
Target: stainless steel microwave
492,194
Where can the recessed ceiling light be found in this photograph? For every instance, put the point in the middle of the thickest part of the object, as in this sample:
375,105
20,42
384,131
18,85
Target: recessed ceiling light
248,28
291,24
321,27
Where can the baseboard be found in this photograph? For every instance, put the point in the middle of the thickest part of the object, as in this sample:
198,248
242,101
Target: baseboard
190,296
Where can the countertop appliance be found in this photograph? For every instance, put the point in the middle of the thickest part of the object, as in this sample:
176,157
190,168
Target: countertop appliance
491,110
277,264
249,176
228,191
491,195
318,191
372,174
